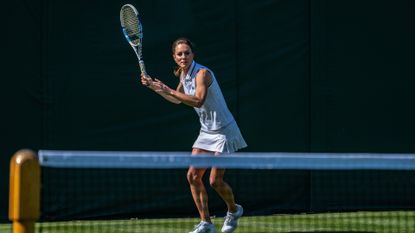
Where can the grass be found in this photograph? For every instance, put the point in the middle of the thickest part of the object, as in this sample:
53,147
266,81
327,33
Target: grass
356,222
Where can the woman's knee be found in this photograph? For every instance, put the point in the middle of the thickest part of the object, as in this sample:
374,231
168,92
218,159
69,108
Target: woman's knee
193,177
215,182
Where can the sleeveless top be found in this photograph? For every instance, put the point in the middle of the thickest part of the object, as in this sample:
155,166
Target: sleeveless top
214,114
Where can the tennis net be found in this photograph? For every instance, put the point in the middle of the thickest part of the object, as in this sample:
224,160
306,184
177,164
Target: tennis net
113,191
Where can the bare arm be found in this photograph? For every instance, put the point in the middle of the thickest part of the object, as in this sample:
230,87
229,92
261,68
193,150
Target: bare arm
148,82
203,80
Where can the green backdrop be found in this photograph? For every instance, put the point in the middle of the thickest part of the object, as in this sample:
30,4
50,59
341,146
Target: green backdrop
299,75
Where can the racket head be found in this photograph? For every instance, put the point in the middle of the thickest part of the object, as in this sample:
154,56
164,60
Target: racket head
131,25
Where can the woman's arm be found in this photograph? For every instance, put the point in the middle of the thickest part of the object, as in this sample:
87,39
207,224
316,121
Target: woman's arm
203,80
164,95
148,82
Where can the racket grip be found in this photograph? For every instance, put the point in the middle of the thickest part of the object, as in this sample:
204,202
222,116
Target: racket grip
142,67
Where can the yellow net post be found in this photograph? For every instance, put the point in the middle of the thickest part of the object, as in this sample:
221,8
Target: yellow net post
24,196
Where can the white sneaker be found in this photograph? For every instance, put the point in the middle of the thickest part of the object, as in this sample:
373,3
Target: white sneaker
204,227
231,220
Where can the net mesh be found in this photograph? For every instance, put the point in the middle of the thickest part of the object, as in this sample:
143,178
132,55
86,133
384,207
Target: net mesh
87,191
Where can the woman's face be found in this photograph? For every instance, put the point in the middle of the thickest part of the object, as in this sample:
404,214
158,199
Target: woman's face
183,56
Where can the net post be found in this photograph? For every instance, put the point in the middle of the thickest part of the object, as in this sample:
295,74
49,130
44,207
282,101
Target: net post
24,193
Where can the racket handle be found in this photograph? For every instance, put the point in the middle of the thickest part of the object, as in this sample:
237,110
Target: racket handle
142,67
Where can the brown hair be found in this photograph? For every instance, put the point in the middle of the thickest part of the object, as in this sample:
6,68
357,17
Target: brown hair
181,40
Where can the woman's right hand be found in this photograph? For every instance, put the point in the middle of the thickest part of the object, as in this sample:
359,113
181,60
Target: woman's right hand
146,80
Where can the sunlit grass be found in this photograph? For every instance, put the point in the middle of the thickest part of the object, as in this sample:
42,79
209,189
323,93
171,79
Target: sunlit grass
357,222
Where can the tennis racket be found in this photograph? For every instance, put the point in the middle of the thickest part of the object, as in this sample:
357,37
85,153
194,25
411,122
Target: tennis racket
133,32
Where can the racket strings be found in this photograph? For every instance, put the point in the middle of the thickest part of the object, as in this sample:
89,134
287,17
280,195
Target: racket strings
131,25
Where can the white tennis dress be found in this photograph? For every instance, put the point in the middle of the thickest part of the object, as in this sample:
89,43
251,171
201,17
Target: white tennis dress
219,131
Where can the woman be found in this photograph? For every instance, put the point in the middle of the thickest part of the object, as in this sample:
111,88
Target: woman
219,132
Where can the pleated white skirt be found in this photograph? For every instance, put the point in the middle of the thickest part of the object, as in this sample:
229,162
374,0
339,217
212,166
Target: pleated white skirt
226,140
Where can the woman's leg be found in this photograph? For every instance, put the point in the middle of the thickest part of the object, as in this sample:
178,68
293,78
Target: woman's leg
222,188
199,194
225,191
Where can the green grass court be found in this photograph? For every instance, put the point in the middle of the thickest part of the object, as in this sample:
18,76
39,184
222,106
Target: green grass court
357,222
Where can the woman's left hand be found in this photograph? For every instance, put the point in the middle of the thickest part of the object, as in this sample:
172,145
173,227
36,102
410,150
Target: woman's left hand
161,87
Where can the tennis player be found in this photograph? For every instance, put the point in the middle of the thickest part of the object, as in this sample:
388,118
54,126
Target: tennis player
219,133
